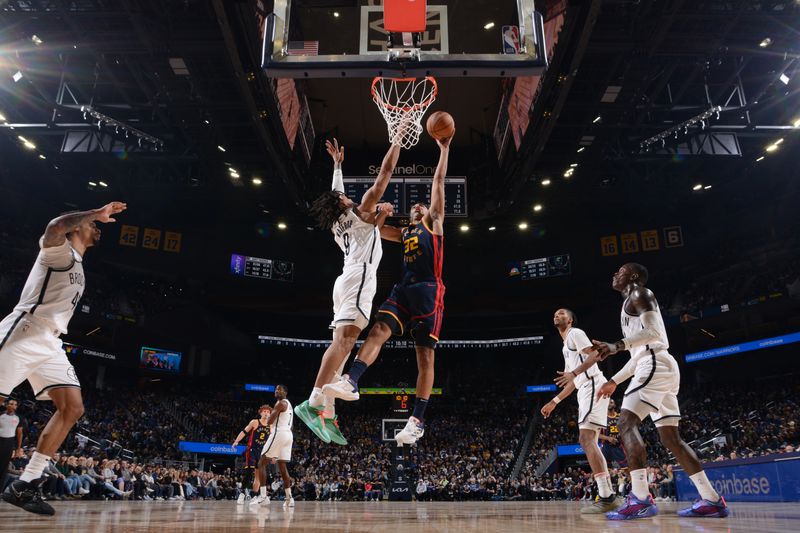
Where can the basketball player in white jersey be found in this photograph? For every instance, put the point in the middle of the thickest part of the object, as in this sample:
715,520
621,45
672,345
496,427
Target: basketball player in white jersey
653,392
279,443
30,348
592,413
356,229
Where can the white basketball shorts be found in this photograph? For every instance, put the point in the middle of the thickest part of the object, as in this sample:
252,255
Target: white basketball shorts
28,350
353,293
279,446
592,413
653,390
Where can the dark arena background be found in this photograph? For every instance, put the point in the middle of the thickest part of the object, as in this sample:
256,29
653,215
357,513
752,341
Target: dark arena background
589,135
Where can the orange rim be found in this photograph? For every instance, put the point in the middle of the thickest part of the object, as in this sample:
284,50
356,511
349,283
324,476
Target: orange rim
391,107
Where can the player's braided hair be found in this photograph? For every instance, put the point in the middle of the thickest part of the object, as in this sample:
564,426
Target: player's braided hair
327,209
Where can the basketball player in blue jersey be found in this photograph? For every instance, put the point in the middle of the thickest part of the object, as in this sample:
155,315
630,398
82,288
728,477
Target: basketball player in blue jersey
356,229
258,429
415,305
653,392
30,347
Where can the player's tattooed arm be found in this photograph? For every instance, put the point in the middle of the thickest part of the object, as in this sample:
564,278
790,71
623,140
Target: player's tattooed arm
58,228
436,211
374,193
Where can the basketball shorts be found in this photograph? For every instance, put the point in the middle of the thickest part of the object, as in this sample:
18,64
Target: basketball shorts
353,293
416,308
252,455
615,454
653,390
279,446
29,350
592,413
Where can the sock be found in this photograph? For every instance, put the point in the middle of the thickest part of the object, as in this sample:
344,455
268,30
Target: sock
263,491
603,484
356,369
330,407
419,409
704,486
317,398
639,486
35,467
288,493
621,486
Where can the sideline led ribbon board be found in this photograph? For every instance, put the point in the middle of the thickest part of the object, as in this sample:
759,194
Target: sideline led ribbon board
394,390
258,387
734,349
542,388
292,342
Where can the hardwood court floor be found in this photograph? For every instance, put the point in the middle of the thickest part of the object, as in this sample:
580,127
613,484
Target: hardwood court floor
379,517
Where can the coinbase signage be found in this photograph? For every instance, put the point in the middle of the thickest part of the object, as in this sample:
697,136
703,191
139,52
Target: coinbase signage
210,447
772,479
258,387
542,388
570,449
744,347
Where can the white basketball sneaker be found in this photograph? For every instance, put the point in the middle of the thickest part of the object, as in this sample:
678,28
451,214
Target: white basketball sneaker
259,500
342,388
287,504
240,499
411,433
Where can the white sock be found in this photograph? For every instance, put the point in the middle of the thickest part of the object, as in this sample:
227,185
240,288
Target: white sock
621,485
35,467
288,493
317,398
263,491
603,484
640,488
330,407
704,486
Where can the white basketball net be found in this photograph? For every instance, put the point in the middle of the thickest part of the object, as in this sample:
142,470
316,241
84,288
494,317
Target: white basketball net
403,102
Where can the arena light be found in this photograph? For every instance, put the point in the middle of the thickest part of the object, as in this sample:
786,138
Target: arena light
36,40
772,147
697,187
282,225
597,119
759,158
488,26
573,165
537,207
336,14
102,183
545,182
779,141
220,148
17,76
92,184
765,42
707,187
2,117
523,225
796,123
29,145
235,175
256,181
784,79
464,228
492,228
41,156
581,149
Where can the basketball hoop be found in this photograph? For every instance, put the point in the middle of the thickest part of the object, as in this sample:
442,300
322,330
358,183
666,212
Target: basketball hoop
403,102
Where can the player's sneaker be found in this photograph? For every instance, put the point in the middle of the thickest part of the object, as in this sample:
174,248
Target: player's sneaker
332,427
634,508
706,509
343,388
411,433
259,500
602,505
288,504
312,417
240,499
28,495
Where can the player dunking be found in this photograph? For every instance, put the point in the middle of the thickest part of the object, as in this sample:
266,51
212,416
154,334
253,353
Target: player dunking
653,392
258,429
356,229
279,444
30,347
416,303
591,412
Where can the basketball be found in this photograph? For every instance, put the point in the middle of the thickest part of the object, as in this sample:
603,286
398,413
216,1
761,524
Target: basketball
441,125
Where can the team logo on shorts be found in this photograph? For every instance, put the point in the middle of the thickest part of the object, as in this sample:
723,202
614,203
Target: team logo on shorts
71,373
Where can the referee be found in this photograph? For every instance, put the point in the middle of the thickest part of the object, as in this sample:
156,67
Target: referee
10,438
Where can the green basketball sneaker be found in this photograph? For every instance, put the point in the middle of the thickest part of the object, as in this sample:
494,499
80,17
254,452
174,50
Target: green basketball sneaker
332,426
312,417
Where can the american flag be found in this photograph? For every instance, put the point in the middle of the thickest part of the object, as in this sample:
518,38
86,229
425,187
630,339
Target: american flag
303,48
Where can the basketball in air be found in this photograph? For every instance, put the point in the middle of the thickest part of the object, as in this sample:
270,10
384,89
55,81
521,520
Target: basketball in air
441,125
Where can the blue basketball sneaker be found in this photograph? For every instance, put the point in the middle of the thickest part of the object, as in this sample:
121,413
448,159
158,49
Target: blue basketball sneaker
634,508
707,509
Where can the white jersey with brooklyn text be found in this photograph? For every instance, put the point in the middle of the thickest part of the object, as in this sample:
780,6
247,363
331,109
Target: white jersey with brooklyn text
359,241
633,323
54,286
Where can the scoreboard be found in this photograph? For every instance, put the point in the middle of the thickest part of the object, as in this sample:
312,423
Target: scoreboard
404,192
259,267
542,267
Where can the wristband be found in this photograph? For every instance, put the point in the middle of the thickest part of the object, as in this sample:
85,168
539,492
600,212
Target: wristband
626,344
556,400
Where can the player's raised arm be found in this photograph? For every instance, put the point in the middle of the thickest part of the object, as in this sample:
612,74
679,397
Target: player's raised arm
57,228
436,210
374,193
337,154
252,425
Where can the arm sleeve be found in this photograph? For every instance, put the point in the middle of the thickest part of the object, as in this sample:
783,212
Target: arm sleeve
626,373
648,334
338,180
580,339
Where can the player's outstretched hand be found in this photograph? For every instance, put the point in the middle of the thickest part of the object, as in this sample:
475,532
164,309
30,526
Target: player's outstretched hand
564,378
445,143
336,152
607,389
386,207
548,408
105,214
604,349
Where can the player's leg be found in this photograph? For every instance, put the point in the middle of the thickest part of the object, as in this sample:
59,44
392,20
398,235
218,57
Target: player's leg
415,428
607,500
259,482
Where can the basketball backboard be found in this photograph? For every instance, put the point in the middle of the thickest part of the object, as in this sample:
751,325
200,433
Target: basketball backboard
461,38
